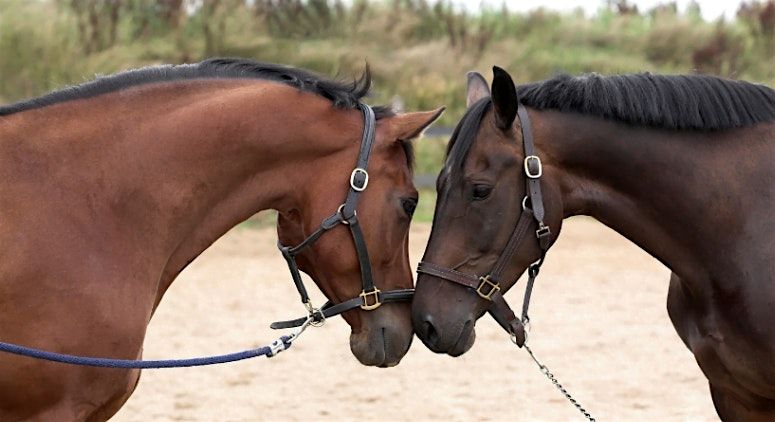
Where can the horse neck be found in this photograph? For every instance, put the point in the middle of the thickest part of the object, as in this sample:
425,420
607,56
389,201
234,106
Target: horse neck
678,195
189,161
262,159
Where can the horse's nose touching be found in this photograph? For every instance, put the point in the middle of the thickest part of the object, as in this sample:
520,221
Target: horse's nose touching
384,337
441,325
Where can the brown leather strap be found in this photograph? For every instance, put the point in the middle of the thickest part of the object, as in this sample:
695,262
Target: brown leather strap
472,281
502,313
517,236
466,280
488,287
370,297
532,166
499,309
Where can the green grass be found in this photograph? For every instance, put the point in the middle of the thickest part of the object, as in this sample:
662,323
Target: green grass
424,211
417,52
429,154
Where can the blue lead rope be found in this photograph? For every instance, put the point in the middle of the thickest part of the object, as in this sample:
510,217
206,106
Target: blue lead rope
276,347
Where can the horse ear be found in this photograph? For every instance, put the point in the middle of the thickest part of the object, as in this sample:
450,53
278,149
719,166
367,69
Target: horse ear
477,88
406,126
504,98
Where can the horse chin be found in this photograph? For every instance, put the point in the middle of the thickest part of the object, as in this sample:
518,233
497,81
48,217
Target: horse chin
382,347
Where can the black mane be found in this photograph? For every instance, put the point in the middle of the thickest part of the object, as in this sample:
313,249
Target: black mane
464,135
342,94
680,102
677,102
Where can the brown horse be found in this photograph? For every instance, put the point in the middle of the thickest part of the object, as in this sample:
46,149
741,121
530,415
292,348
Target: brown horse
680,165
109,189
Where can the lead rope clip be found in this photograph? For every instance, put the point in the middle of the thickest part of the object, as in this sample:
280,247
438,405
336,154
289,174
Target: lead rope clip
284,342
315,316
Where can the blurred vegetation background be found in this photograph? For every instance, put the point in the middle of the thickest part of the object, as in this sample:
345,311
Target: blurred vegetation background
418,50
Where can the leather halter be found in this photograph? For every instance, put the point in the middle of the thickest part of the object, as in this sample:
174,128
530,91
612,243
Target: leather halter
371,297
488,286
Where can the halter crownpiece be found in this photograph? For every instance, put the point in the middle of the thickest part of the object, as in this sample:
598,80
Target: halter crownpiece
370,297
488,286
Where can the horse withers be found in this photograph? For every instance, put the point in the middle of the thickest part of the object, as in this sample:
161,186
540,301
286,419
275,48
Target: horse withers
680,165
109,189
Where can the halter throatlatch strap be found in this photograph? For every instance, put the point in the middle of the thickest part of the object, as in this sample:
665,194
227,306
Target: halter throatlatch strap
370,297
488,286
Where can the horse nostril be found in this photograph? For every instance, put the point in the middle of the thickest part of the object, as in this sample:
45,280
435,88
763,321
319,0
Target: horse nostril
431,335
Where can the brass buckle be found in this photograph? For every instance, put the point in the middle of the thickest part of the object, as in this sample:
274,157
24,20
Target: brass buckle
493,287
365,306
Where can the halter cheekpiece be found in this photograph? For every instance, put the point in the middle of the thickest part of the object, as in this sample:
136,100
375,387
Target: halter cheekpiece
488,286
370,297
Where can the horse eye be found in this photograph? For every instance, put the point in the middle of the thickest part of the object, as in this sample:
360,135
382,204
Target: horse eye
409,205
481,192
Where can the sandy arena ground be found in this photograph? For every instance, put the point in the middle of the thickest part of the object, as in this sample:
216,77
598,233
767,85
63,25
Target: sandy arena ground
599,322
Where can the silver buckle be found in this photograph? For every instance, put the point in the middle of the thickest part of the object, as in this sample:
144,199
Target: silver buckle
365,181
527,167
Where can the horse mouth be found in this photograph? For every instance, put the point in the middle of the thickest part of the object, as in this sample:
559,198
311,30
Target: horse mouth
453,346
381,348
464,341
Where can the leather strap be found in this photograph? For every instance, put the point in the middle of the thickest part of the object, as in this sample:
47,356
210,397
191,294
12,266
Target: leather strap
329,309
367,280
534,211
517,236
532,166
295,274
359,176
505,317
346,214
454,276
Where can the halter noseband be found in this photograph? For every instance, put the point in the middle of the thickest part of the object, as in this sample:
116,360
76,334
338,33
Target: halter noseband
370,297
488,286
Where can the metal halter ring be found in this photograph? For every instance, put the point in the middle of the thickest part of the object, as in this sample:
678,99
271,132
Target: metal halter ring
317,322
524,202
365,180
344,220
314,314
538,172
513,336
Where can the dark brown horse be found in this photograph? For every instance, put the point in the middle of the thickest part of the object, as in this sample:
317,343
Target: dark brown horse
680,165
109,189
